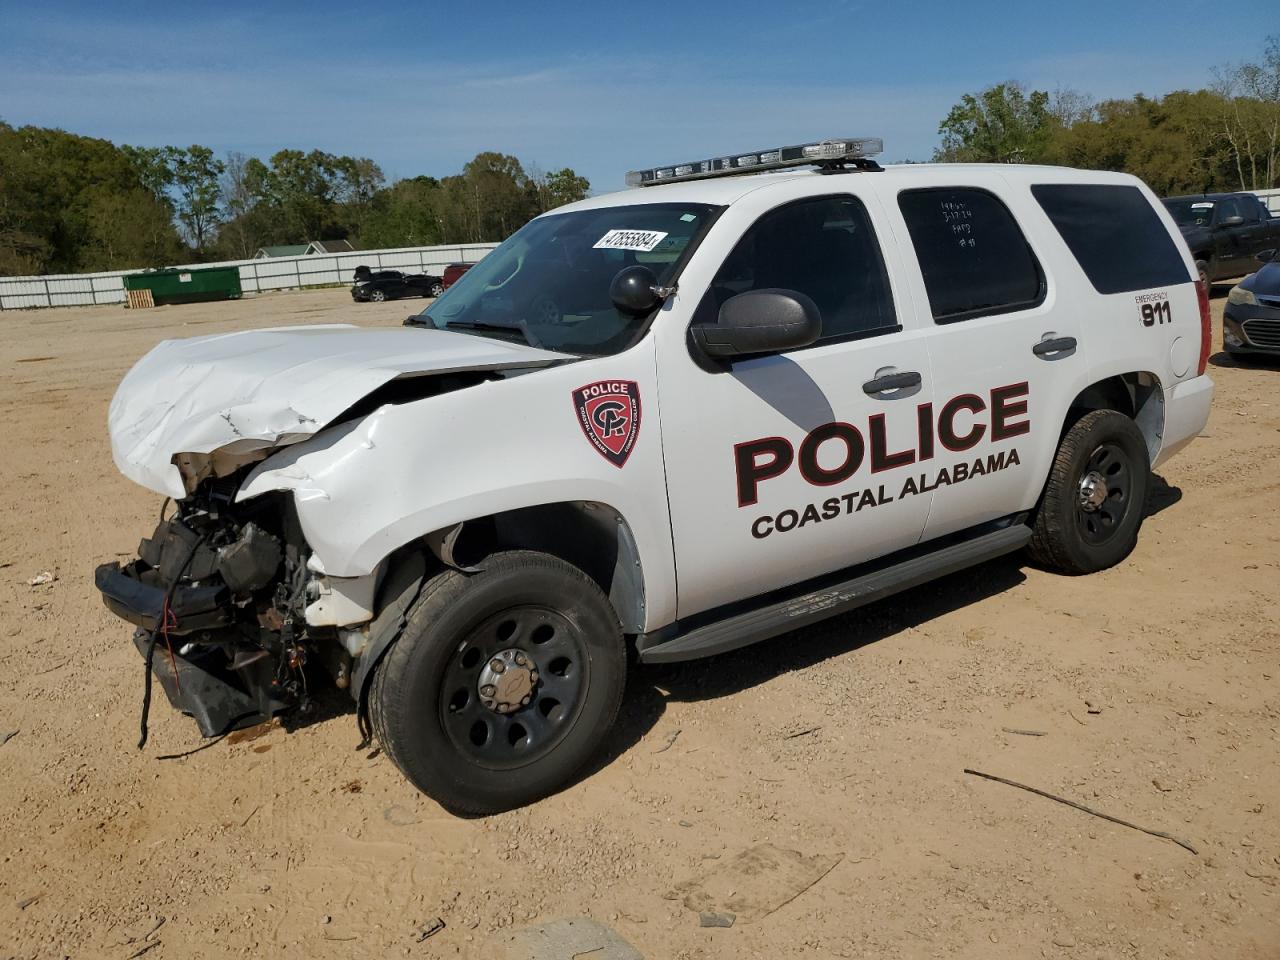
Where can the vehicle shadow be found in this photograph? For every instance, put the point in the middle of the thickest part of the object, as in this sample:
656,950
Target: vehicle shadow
1259,361
1160,495
740,670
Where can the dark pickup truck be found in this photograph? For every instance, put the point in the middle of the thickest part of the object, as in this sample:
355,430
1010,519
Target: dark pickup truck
1225,231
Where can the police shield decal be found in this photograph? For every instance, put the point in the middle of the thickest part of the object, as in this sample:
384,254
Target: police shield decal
609,414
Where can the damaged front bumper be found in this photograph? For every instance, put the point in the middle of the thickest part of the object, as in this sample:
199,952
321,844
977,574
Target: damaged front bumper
200,682
214,599
130,598
219,692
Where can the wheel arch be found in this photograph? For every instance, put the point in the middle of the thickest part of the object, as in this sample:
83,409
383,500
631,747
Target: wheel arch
1137,394
592,536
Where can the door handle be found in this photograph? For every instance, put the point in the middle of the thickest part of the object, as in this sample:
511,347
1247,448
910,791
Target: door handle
892,381
1045,348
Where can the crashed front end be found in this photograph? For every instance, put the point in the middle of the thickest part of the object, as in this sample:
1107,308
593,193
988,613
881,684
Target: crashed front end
232,608
218,596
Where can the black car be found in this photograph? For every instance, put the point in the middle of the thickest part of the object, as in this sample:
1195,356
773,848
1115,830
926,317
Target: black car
1225,231
1251,319
379,285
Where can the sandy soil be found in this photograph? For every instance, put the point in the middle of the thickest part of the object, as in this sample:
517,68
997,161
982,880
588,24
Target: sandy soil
291,842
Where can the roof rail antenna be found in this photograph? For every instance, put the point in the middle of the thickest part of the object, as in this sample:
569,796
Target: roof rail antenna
829,156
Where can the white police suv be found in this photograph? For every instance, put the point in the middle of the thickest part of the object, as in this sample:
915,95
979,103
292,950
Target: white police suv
756,391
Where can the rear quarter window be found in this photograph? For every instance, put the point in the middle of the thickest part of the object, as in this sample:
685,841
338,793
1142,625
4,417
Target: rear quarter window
1115,236
972,253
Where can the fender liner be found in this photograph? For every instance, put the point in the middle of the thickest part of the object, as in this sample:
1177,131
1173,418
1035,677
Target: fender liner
404,581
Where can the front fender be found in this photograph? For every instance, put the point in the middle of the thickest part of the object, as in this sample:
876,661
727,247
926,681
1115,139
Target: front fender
365,488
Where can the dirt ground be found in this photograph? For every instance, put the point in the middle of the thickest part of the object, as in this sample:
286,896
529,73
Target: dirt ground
1156,684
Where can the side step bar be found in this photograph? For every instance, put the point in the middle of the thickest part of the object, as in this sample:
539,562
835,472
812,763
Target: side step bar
786,615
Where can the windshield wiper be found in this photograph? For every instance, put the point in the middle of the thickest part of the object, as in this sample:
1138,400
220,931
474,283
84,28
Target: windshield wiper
520,327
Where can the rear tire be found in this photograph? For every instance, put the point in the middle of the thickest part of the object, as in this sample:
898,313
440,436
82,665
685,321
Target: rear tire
438,709
1203,269
437,289
1094,500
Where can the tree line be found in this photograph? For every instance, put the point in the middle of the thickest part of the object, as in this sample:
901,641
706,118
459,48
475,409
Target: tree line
70,203
1222,138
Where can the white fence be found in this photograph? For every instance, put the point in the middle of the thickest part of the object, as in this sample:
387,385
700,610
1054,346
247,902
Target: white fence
256,276
1271,198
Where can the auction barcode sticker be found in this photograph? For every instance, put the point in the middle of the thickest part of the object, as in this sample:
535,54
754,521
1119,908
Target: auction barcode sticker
642,240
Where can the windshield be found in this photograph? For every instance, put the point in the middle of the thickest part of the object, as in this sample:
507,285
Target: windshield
1191,213
548,285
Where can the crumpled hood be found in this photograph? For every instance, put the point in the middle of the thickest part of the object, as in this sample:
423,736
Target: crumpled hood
246,393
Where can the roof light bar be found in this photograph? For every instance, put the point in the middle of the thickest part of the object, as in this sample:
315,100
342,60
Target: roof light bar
844,150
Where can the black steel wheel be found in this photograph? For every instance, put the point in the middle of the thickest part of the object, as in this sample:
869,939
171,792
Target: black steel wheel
503,684
514,687
1092,506
1103,493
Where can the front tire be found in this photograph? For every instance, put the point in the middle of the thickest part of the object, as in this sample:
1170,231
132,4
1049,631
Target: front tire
503,685
1094,500
378,296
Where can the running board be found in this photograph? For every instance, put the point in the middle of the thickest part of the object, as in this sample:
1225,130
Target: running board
787,615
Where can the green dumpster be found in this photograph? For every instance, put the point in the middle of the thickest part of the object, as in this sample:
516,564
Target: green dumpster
187,286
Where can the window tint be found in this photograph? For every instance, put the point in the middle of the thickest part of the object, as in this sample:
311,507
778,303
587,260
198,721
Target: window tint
1249,209
824,248
972,253
1228,208
1119,241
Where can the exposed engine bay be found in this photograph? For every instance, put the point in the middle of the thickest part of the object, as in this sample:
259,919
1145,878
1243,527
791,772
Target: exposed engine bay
251,433
218,593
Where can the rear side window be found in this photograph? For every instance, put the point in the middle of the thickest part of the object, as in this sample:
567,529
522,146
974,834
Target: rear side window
974,257
1119,241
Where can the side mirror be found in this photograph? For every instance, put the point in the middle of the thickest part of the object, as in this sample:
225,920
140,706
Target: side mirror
633,290
1230,222
415,320
760,321
1265,256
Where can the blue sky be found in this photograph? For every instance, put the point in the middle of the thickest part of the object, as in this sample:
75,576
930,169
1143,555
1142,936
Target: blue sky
599,87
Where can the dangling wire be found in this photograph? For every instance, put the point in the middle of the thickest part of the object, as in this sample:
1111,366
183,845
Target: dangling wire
162,626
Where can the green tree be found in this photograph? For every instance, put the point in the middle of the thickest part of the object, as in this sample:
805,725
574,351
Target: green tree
1002,124
497,195
1174,143
409,213
195,173
239,237
559,187
1250,116
132,229
54,186
356,180
151,165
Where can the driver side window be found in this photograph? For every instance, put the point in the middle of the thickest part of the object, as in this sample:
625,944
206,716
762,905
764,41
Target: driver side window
823,247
